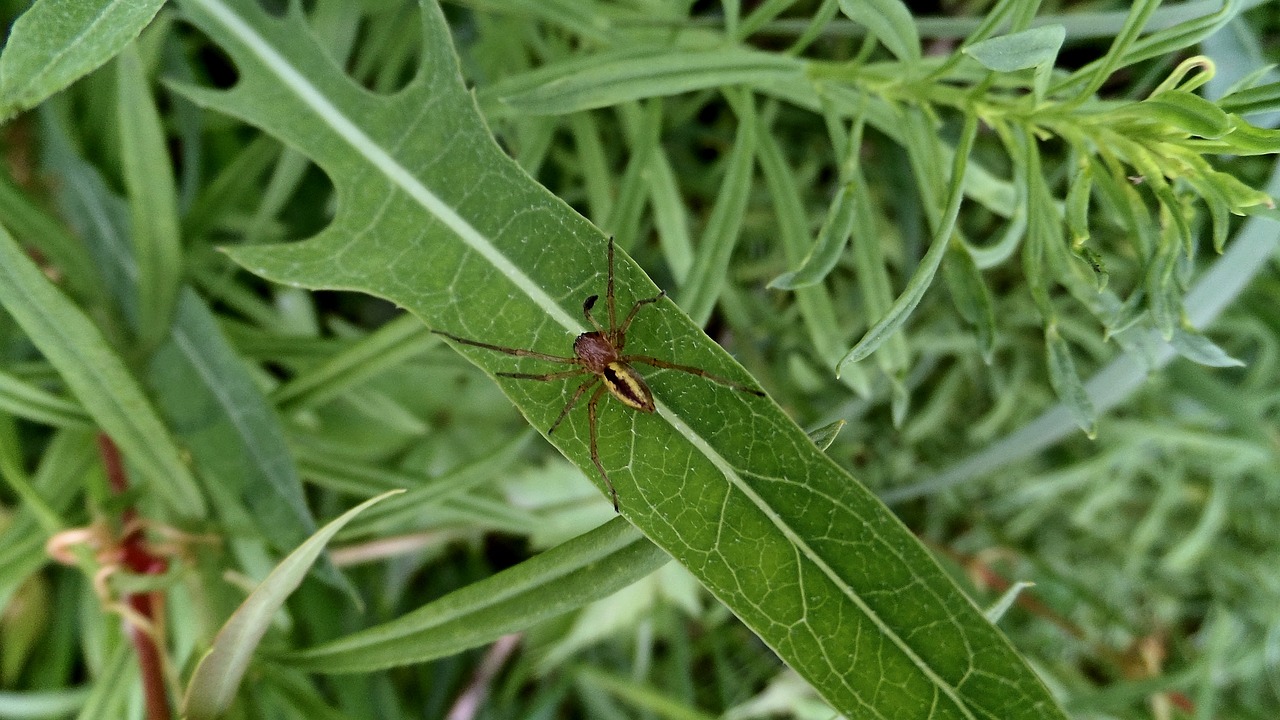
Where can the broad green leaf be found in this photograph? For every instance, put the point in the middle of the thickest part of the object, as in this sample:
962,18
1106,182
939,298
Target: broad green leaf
1019,51
433,216
153,201
568,576
217,676
890,21
55,42
97,376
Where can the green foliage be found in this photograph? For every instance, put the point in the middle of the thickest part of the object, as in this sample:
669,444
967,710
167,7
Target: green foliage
943,245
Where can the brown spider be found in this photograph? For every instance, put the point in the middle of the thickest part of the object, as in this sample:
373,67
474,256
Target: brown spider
599,353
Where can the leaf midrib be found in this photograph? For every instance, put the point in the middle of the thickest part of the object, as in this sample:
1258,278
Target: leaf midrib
400,176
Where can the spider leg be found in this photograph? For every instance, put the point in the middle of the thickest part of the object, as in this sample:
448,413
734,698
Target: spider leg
595,452
587,304
577,394
518,352
655,362
544,376
613,315
620,333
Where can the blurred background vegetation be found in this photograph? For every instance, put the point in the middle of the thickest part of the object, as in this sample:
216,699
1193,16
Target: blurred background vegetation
1152,544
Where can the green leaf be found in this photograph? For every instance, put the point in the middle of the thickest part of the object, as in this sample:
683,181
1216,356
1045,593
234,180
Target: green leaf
1066,382
1021,50
832,239
1197,348
825,435
432,215
213,405
1184,112
97,376
203,389
973,301
153,204
56,42
568,576
1260,99
923,277
29,401
218,674
890,21
35,227
715,248
816,308
611,78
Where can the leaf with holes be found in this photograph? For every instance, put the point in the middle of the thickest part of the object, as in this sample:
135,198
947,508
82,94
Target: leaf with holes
434,217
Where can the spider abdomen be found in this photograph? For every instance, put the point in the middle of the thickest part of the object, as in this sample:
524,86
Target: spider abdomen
627,385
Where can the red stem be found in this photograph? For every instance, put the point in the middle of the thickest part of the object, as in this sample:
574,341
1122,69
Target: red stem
139,559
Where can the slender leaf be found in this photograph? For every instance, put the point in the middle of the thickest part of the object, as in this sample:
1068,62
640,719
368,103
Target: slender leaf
1199,349
715,247
218,674
566,577
153,201
890,21
832,239
1021,50
97,376
815,304
1260,99
29,401
587,83
923,277
1066,382
55,42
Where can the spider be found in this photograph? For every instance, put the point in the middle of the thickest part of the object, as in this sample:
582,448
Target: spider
599,354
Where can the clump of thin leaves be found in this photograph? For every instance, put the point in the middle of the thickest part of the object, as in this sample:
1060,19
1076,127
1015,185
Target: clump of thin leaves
999,265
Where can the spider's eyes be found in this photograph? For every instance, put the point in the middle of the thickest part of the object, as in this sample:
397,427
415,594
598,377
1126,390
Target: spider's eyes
590,302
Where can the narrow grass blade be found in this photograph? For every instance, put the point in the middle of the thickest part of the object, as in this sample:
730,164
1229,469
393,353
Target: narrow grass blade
97,376
568,576
588,83
153,204
923,277
217,676
715,247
